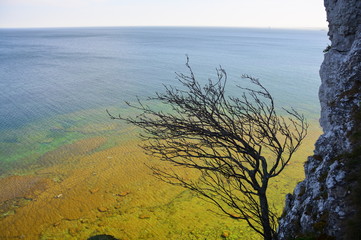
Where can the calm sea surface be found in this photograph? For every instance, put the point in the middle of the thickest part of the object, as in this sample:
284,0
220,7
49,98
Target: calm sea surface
55,84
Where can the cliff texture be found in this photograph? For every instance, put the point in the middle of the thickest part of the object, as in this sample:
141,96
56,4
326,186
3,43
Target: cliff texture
326,205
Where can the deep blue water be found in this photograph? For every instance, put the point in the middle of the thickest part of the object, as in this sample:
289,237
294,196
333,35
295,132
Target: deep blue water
64,77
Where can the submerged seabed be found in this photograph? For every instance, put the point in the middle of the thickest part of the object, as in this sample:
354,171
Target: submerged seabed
68,172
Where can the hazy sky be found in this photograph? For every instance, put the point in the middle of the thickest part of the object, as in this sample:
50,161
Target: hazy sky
232,13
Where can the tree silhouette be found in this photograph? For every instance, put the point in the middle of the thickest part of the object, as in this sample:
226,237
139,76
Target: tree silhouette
237,144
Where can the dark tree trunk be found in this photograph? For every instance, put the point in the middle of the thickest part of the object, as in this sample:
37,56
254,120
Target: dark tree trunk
265,217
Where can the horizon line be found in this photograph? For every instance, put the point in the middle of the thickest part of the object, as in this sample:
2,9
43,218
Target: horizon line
169,26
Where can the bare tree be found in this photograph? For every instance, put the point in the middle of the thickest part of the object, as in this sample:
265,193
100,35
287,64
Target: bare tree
236,143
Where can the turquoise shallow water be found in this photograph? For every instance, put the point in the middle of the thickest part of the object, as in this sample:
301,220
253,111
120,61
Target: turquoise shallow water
56,83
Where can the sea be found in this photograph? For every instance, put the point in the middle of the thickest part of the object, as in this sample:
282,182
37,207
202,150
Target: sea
68,171
56,84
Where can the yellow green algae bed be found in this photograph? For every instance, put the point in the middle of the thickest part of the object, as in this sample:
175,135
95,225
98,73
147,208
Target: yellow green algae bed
79,192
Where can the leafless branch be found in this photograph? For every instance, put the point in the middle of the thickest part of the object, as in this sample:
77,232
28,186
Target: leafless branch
237,144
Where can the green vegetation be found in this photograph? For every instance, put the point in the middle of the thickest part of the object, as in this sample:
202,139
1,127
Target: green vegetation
327,49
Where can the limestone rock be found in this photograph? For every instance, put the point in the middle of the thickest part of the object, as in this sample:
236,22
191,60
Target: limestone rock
102,209
225,234
123,194
321,203
144,216
94,190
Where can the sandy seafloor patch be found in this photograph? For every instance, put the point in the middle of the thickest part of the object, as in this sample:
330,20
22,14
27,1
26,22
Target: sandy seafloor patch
112,192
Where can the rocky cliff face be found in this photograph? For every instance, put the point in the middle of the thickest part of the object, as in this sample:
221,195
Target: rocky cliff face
326,205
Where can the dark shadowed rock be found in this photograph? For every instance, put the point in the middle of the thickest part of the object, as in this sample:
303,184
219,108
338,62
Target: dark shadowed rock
103,237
